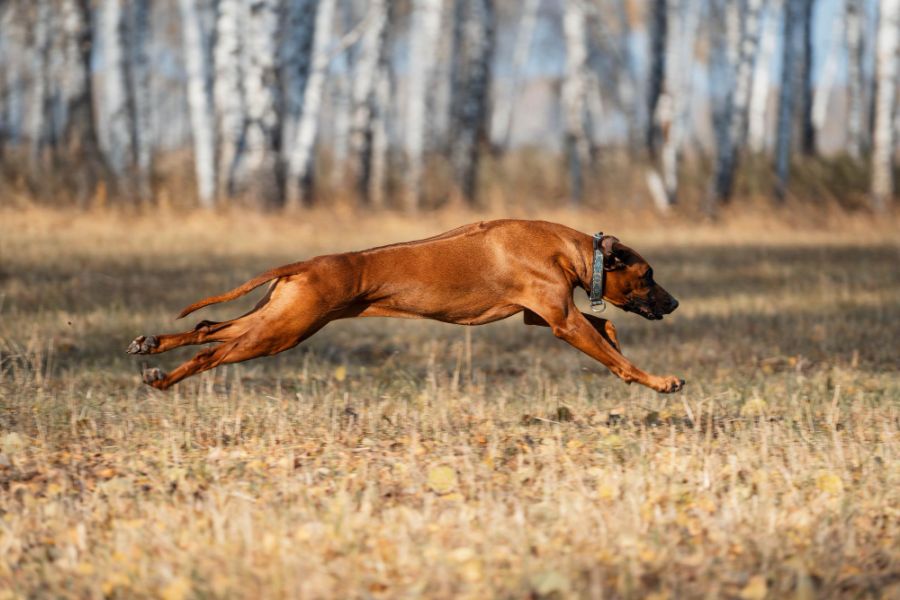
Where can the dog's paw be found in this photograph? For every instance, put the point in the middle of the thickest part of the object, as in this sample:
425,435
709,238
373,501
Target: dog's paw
143,345
670,385
152,376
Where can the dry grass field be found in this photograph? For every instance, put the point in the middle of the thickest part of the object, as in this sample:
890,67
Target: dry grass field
403,459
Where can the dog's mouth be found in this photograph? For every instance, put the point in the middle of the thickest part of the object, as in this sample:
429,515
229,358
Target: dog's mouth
644,311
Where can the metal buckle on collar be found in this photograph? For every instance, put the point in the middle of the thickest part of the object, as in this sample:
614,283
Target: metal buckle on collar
597,303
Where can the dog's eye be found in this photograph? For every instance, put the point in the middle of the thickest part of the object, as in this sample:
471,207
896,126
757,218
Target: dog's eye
649,275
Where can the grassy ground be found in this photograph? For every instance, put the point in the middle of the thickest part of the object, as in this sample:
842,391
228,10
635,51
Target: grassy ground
390,458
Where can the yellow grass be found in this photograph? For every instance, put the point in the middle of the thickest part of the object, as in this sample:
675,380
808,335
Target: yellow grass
394,459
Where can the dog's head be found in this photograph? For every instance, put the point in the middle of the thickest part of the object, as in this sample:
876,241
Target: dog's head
630,284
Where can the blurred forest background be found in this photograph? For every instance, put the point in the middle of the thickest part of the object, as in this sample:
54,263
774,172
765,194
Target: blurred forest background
416,104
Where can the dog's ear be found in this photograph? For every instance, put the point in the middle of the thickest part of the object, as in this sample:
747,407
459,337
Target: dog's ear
611,247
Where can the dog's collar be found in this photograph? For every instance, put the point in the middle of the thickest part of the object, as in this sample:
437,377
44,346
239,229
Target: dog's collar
597,276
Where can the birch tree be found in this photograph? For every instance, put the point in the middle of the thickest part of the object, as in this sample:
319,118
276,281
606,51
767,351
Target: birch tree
734,124
79,138
371,69
424,37
758,125
856,82
135,37
471,92
792,15
673,105
200,102
883,133
301,155
228,92
40,57
659,31
807,127
578,143
258,161
524,40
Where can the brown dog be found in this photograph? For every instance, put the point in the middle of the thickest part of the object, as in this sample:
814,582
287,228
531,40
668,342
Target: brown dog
472,275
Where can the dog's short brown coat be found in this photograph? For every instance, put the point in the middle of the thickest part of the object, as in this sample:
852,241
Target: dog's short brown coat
472,275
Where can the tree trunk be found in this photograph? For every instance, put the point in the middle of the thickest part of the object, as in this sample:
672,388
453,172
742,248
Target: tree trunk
259,161
301,157
885,104
524,38
471,93
136,64
295,51
792,16
200,103
425,32
758,126
733,137
116,130
80,143
659,32
808,131
578,145
370,68
38,121
674,102
228,93
856,80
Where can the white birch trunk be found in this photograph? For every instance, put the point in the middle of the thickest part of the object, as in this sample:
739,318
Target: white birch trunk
259,159
377,187
792,10
135,41
370,68
758,126
732,139
856,110
425,31
827,79
115,132
674,103
299,20
228,93
469,125
574,97
38,119
885,104
200,105
301,163
524,38
659,32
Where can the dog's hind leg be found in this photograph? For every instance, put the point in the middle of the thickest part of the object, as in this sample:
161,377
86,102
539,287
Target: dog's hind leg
203,332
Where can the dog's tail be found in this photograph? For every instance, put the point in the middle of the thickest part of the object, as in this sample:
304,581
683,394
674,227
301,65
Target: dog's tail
291,269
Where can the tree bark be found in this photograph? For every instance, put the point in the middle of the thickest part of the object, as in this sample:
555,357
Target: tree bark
578,144
524,40
808,130
758,125
857,143
792,16
471,93
228,93
259,160
426,24
734,123
200,102
370,68
883,133
659,32
301,157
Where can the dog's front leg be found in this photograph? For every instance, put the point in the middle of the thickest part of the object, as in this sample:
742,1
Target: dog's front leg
581,332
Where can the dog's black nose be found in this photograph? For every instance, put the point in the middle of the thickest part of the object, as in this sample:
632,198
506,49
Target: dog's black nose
673,304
